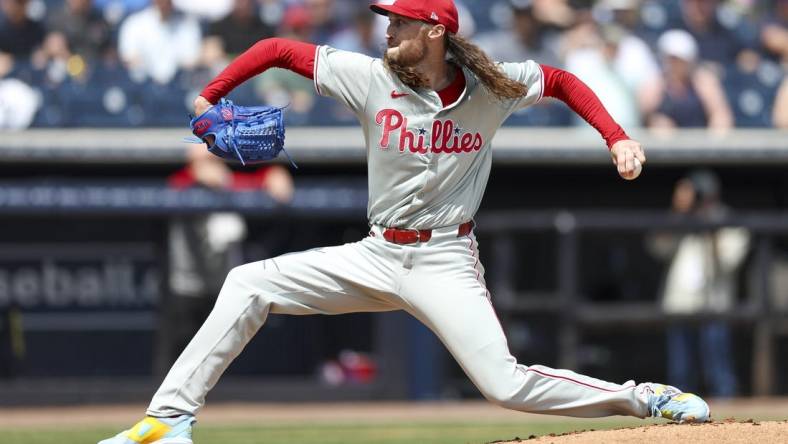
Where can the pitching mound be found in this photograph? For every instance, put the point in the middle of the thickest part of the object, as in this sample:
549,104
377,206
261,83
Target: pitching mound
727,431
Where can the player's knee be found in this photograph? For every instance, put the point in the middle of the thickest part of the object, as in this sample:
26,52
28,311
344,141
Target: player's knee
235,275
238,283
237,272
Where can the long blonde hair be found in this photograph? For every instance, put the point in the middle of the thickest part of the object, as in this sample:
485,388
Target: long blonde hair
472,57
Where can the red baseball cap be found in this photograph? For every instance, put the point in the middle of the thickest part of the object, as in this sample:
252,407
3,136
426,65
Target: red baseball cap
437,12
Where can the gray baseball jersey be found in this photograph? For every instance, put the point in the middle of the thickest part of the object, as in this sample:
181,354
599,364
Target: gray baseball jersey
428,165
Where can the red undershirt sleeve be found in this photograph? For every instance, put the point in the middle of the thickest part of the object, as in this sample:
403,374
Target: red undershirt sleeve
567,88
296,56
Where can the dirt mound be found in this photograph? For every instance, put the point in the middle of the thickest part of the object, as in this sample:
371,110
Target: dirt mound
728,431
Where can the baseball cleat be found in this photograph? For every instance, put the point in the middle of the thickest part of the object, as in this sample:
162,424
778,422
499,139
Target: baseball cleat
152,430
665,401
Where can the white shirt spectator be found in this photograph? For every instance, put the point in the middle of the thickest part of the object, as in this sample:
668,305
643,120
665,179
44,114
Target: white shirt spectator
156,47
635,62
698,281
590,66
18,104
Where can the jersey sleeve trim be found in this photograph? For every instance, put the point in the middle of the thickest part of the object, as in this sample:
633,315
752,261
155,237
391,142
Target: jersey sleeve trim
541,84
317,63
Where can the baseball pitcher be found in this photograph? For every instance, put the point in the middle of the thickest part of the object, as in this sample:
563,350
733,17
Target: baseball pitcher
429,110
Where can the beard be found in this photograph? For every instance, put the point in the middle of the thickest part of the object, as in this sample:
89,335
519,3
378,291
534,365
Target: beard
402,61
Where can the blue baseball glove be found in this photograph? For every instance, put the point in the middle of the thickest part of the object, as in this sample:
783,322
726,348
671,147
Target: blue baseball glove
249,134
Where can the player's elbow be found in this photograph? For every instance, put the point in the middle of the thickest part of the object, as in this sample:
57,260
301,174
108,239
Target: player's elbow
272,43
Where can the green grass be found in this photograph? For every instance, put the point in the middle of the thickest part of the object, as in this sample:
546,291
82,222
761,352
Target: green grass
391,433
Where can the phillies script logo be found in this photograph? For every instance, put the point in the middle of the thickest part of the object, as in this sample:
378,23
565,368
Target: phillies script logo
444,137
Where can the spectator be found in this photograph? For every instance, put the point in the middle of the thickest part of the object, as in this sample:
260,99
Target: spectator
691,95
774,32
701,278
271,11
322,19
361,37
590,55
204,246
205,10
241,29
19,35
716,43
558,14
527,39
121,7
18,104
296,24
84,28
158,41
52,59
628,49
626,13
780,111
751,83
281,87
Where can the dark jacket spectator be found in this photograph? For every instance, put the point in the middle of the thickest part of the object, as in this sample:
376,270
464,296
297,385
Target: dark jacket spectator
241,29
19,35
84,28
774,32
716,42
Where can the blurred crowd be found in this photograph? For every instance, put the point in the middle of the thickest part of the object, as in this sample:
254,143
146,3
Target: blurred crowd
660,64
